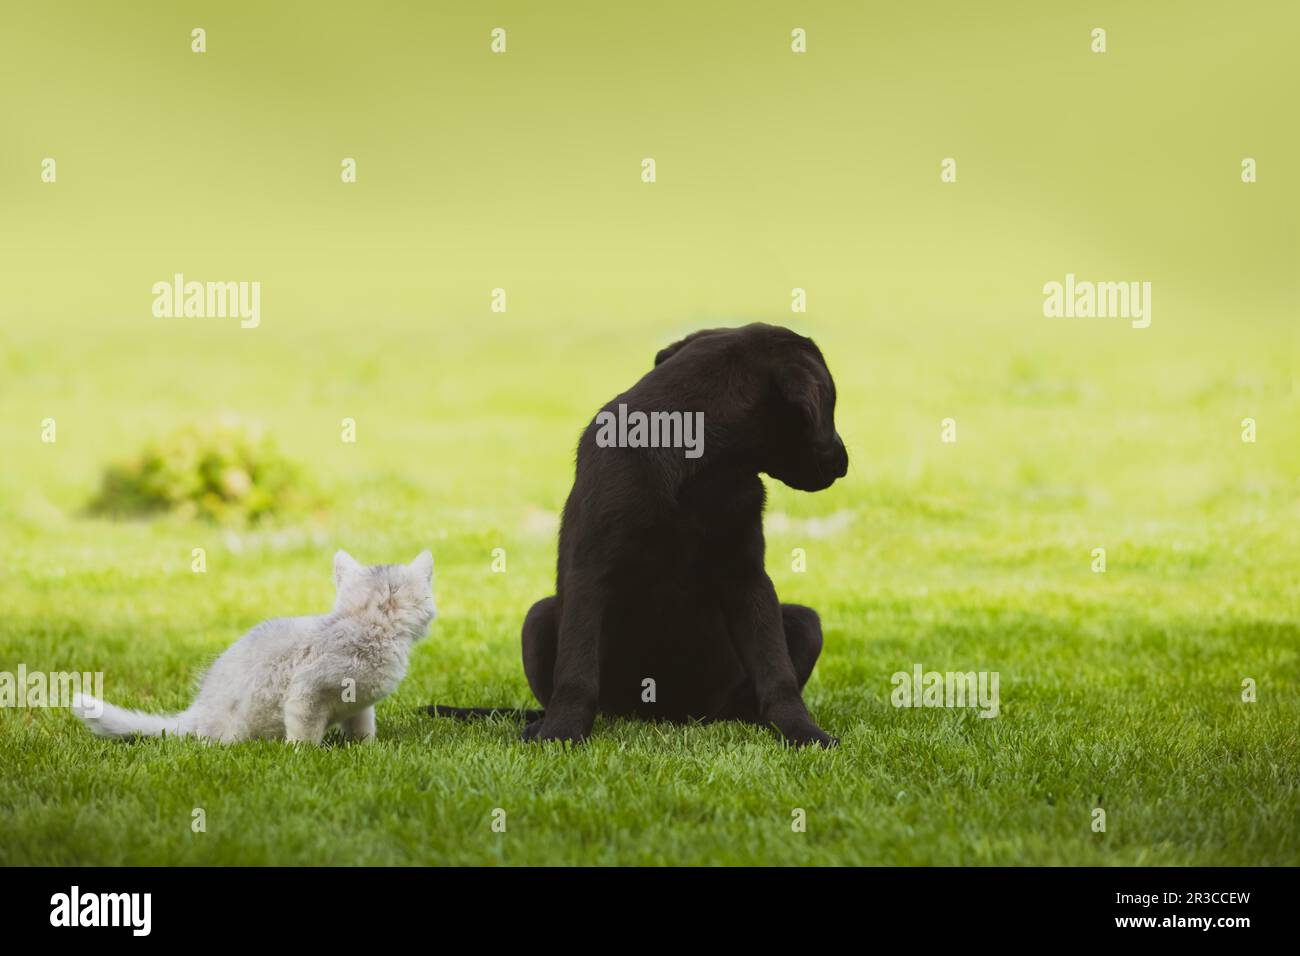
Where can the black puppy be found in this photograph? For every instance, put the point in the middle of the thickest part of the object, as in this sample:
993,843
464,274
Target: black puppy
663,608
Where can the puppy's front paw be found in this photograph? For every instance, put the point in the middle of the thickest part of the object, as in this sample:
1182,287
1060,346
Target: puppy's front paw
806,734
569,732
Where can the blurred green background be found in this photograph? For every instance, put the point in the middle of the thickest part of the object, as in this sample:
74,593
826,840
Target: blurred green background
774,171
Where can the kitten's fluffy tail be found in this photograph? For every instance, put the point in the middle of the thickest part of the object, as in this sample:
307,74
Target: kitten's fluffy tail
469,713
119,723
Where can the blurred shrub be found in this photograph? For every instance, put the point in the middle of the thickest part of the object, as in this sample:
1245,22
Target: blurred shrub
227,472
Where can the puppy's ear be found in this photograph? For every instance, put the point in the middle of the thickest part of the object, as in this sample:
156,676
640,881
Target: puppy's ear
669,351
422,566
344,566
798,388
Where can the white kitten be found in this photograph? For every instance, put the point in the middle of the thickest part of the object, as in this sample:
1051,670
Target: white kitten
295,677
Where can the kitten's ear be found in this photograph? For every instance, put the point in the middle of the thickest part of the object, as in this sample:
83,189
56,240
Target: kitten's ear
422,566
344,565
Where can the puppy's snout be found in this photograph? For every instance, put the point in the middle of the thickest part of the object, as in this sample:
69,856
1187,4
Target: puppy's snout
837,459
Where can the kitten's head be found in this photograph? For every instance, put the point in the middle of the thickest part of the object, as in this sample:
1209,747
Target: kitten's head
402,593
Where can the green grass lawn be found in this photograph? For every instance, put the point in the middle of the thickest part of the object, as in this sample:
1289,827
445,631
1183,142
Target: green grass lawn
1120,690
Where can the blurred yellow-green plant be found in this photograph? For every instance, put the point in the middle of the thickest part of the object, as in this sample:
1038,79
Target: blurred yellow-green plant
228,472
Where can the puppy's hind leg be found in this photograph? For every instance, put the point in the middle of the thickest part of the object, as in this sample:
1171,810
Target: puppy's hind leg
360,726
541,631
803,639
540,637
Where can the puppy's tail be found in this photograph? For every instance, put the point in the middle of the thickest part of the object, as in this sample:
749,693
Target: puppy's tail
119,723
473,713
